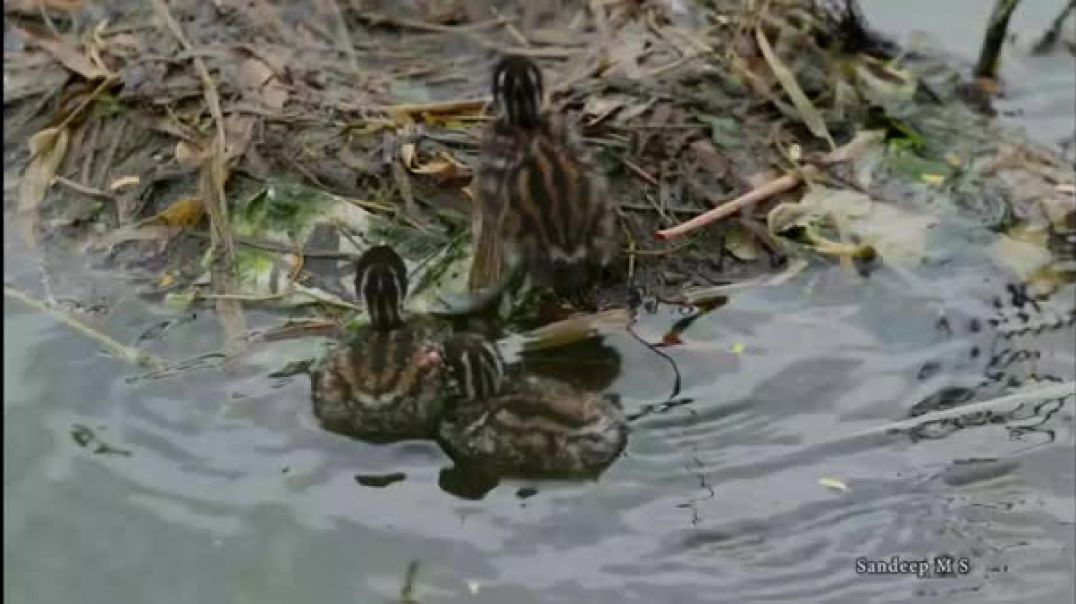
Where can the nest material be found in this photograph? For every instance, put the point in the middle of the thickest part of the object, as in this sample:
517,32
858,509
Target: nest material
170,119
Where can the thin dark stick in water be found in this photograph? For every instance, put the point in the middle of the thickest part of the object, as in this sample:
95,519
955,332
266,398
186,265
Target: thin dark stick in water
127,353
1049,38
996,28
407,590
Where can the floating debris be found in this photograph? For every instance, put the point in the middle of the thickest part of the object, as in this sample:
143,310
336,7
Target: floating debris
835,484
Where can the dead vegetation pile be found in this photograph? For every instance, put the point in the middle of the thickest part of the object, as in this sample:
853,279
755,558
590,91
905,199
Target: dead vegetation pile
166,136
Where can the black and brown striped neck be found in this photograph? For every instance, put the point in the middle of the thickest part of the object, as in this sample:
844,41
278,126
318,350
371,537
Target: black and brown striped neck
517,91
475,365
381,283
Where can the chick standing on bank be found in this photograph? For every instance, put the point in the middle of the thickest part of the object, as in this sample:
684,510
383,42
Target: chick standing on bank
541,207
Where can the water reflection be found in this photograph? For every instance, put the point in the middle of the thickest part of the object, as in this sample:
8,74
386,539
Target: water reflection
1019,342
590,364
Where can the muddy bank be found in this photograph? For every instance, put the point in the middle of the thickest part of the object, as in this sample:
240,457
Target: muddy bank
241,154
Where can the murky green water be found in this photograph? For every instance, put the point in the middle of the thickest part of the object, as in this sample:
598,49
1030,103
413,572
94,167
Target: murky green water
225,490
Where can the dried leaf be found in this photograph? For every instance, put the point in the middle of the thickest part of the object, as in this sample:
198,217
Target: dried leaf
598,108
631,41
1060,211
1023,251
636,109
33,7
556,37
443,166
403,184
123,45
896,234
711,159
65,52
259,15
168,124
742,245
189,155
407,154
808,112
817,204
30,73
179,302
258,81
575,329
47,150
660,116
915,167
238,132
724,131
401,118
148,232
833,483
185,212
885,85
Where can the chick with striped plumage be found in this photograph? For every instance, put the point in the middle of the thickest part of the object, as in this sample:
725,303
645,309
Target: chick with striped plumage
526,426
540,206
386,382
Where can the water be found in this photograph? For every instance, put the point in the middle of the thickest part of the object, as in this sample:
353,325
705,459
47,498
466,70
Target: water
221,487
1039,92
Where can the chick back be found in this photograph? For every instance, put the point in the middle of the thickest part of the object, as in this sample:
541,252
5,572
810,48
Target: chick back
546,205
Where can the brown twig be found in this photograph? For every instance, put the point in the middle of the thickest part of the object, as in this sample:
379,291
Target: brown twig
343,36
104,167
294,329
88,147
640,172
574,329
515,33
127,353
81,188
101,88
852,149
774,187
673,65
214,173
454,106
601,21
